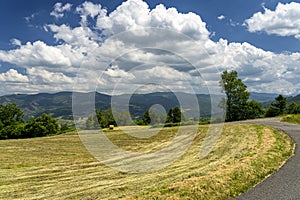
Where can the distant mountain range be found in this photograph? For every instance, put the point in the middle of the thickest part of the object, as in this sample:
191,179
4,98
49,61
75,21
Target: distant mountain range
60,104
262,97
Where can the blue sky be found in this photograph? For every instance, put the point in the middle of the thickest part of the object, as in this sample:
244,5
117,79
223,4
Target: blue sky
14,12
259,39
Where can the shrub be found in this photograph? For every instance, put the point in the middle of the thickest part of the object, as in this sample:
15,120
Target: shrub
42,126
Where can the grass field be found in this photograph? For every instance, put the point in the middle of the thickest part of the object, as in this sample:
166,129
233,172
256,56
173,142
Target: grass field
295,119
59,167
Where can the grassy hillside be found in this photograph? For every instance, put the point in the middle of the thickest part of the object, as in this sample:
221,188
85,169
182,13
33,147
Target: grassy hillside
59,167
295,119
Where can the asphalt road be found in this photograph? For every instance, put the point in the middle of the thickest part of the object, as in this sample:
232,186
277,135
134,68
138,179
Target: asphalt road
284,184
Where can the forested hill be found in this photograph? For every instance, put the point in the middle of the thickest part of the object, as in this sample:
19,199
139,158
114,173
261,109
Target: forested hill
60,104
295,99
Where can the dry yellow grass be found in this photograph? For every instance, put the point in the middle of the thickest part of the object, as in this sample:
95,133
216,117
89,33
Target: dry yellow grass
59,167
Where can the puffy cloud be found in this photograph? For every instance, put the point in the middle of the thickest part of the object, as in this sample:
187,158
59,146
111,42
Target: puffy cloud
41,77
77,37
135,14
59,9
116,72
163,73
262,70
174,52
89,9
283,21
35,80
36,54
16,42
13,76
221,17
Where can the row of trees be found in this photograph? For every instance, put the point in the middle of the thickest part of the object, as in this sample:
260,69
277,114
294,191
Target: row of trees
237,104
101,119
105,118
13,126
280,107
174,116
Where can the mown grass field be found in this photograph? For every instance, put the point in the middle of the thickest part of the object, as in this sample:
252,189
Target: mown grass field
295,119
59,167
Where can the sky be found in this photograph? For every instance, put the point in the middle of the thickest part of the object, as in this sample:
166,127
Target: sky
118,46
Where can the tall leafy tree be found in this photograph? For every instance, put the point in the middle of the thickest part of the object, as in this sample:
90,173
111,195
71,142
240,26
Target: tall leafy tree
280,103
177,115
105,118
10,114
146,117
174,115
254,110
237,96
11,121
293,108
277,107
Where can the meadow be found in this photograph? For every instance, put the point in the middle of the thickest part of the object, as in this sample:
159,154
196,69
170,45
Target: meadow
294,119
59,167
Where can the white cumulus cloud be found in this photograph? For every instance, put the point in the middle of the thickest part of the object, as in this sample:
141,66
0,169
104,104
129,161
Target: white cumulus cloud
35,54
89,9
13,76
16,42
283,21
136,14
59,9
159,45
221,17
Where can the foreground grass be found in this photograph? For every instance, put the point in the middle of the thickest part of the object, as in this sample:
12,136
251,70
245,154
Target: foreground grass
59,167
295,119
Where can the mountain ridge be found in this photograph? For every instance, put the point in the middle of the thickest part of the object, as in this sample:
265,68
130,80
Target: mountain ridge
60,104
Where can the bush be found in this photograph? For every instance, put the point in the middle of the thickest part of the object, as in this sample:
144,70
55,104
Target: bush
12,131
272,112
12,125
41,126
293,108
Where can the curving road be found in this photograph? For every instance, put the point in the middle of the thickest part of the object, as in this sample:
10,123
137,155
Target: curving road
284,184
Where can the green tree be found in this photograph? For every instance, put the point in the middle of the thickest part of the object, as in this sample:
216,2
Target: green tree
237,96
152,117
293,108
174,115
254,110
146,117
177,116
280,103
170,116
92,122
10,114
11,121
277,107
41,126
123,118
105,118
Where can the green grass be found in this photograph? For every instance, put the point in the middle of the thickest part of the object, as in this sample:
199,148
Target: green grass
295,119
59,167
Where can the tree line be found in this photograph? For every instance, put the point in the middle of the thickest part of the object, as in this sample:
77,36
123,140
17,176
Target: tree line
13,126
237,104
105,118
